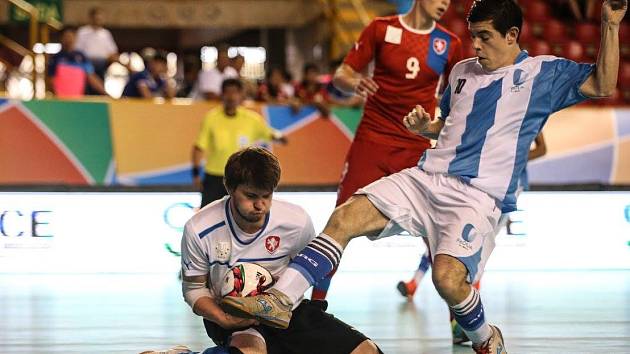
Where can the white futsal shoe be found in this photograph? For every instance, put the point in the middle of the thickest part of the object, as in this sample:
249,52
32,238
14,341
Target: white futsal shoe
494,345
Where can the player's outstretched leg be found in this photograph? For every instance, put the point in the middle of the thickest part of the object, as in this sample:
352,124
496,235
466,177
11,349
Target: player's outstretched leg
408,289
357,217
320,289
450,279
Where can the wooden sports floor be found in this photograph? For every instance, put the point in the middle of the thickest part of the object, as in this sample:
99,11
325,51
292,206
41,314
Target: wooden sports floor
539,312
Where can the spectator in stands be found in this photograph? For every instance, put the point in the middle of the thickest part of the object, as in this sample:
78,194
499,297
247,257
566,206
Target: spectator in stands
210,80
311,92
237,63
70,70
277,87
192,65
97,43
152,81
224,131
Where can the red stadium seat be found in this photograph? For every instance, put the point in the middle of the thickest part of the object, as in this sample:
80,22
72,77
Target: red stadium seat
555,31
624,75
457,26
587,33
539,47
536,10
573,50
624,32
526,33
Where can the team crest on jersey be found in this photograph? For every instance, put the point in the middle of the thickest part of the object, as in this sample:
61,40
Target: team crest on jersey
222,251
272,243
520,77
439,46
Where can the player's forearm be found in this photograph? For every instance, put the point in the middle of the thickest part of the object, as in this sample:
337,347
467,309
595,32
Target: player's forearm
604,79
207,308
346,79
97,84
197,156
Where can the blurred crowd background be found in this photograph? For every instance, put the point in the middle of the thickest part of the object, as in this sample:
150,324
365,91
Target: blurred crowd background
284,51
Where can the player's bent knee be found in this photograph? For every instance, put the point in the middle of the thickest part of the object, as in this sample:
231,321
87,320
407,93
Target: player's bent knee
366,347
449,277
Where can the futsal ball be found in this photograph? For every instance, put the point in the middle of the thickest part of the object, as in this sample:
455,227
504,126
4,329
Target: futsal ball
246,279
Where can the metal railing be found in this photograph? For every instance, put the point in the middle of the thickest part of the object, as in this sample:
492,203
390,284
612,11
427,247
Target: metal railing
38,33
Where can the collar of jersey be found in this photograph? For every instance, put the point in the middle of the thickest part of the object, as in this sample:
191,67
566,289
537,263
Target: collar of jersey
519,59
228,217
416,31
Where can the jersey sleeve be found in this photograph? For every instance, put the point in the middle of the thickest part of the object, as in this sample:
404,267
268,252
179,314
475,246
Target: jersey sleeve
194,260
568,78
455,55
306,236
263,131
363,50
203,139
445,103
112,48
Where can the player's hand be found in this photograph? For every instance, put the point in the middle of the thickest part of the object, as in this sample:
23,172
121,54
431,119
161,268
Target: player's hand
228,321
417,121
366,87
614,10
197,183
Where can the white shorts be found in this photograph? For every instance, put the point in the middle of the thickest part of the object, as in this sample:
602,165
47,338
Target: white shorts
458,219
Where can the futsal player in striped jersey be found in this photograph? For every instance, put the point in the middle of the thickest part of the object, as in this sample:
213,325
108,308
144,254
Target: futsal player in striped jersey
492,110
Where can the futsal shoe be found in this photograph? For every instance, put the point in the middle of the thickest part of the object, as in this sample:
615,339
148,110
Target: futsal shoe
271,308
494,345
407,289
459,336
180,349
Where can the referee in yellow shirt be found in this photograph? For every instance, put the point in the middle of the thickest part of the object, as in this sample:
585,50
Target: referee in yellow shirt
224,131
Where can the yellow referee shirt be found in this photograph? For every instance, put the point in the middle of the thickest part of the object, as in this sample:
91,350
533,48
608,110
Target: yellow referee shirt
222,135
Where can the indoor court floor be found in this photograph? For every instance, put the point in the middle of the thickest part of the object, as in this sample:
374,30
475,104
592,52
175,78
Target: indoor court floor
538,312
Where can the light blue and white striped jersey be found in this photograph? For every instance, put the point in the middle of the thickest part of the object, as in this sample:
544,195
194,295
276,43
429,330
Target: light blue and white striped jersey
492,118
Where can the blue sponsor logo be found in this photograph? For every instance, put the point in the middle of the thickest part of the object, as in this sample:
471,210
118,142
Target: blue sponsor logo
22,223
176,215
627,213
466,233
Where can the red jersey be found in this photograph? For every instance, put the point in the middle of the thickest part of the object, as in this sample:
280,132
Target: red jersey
408,64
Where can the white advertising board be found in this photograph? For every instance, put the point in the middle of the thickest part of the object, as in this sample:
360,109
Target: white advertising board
140,232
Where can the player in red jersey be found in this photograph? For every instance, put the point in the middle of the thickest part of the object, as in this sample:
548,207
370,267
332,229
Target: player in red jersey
411,53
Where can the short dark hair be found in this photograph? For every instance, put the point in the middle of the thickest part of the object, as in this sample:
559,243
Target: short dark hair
94,10
232,82
253,166
68,28
504,14
159,56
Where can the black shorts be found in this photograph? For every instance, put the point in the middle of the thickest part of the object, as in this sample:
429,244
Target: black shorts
311,331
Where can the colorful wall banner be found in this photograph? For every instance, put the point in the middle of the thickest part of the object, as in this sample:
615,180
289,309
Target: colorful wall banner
135,142
55,142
